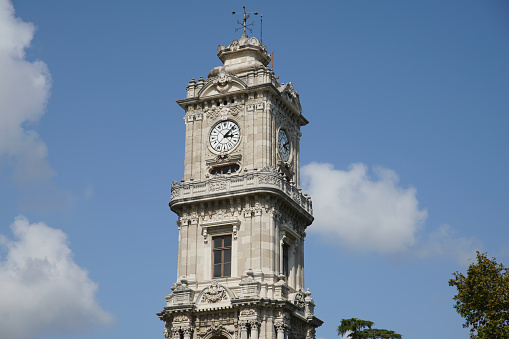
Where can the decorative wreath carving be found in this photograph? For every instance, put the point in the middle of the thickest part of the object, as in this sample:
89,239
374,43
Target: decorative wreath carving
214,293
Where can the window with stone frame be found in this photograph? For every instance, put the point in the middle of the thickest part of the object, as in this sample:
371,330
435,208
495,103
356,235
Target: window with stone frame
221,256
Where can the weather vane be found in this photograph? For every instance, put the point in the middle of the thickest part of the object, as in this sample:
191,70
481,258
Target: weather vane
243,23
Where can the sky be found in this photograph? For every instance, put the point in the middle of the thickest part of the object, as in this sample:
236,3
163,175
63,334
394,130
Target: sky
405,156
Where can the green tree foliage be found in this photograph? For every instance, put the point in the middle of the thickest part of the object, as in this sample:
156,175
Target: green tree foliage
356,329
483,298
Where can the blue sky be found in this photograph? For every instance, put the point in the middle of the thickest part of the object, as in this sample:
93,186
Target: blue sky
405,156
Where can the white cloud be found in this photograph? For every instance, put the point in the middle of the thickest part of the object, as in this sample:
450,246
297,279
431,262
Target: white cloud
363,214
377,215
42,289
444,242
24,92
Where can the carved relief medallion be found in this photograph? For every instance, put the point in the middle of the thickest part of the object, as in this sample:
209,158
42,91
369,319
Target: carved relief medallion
215,293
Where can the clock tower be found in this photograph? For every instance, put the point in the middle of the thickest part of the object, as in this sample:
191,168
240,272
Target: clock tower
241,212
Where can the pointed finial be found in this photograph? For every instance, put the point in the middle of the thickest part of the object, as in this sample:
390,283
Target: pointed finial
244,23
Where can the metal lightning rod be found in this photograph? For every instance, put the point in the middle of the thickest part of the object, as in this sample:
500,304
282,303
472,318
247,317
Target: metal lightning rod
261,29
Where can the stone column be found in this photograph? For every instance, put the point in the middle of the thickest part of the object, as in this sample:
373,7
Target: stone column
280,329
243,330
254,329
176,334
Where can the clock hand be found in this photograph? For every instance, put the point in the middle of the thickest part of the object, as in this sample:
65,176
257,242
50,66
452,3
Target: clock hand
228,135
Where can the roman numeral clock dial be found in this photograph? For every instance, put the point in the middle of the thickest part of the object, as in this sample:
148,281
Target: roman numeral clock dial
283,145
224,136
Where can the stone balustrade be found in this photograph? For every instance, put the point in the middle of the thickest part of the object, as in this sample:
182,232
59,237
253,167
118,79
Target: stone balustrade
234,184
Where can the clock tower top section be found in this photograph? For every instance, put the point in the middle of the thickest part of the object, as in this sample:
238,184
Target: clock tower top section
241,55
241,119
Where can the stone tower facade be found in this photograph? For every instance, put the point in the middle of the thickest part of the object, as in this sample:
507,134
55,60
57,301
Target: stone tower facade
241,212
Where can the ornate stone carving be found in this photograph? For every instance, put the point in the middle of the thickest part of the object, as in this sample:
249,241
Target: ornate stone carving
222,81
212,114
188,218
181,318
270,169
280,326
270,180
187,331
217,186
286,169
180,285
235,110
222,113
254,323
216,329
214,293
248,312
234,45
222,215
299,300
175,189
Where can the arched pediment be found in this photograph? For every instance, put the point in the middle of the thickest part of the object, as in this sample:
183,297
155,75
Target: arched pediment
221,84
214,295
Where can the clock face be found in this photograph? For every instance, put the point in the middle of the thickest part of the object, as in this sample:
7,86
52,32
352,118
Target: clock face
283,145
224,136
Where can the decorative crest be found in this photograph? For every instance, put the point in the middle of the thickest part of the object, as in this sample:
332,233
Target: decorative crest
243,23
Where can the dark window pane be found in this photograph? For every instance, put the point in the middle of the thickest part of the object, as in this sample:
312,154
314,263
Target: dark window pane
227,256
217,271
217,257
227,270
285,260
228,241
217,242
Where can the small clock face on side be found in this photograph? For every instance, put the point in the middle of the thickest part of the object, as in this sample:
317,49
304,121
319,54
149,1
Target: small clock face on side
224,136
283,145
